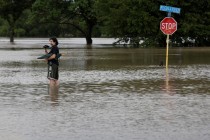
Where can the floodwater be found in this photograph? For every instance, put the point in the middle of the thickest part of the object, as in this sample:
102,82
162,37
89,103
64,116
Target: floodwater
106,94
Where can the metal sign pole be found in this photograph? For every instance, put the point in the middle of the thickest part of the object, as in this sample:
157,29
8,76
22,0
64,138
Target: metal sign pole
167,47
167,77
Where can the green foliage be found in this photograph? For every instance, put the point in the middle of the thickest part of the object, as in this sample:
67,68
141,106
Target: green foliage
19,32
78,14
193,23
3,27
129,20
132,21
11,11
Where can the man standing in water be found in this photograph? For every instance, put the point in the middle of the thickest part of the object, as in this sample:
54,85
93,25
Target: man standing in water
53,63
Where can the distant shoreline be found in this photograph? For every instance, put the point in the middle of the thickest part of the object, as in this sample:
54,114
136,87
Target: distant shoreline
33,43
64,43
4,40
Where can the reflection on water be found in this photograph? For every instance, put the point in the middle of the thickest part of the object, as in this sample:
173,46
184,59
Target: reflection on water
53,93
106,94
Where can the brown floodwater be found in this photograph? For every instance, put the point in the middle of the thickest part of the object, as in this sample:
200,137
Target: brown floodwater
106,93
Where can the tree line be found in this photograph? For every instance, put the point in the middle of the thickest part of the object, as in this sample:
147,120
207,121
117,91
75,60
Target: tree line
133,22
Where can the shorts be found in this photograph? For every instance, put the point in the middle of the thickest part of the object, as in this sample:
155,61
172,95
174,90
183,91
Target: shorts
52,73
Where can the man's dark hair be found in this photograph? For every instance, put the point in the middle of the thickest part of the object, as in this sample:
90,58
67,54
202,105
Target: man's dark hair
54,40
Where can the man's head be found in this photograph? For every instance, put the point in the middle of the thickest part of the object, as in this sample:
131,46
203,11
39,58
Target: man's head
53,41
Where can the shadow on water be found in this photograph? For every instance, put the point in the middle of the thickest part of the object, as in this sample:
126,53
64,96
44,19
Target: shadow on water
113,93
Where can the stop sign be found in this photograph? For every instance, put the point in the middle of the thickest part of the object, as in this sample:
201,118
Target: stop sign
168,25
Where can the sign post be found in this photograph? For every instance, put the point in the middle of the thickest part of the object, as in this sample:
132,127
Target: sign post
168,26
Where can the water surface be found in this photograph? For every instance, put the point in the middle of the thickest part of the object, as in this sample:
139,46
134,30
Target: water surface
108,94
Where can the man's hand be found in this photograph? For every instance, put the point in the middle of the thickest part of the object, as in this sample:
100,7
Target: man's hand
46,46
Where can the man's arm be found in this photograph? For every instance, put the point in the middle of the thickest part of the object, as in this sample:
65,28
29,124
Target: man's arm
52,57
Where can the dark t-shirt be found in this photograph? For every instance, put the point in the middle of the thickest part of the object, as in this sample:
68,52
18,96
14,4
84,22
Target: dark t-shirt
54,50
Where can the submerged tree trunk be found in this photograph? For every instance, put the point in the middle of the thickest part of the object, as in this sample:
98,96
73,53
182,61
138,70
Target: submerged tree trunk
12,33
88,36
86,32
89,40
11,20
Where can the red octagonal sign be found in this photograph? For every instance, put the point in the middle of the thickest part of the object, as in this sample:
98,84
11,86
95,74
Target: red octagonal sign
168,25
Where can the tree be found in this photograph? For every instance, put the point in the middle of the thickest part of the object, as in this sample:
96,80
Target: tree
11,10
132,21
79,14
194,23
